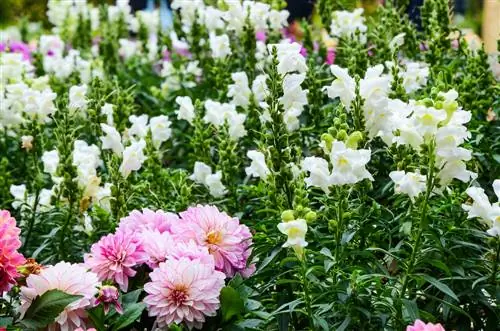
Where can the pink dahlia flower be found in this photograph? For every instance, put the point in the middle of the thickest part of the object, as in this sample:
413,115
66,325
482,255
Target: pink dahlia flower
148,220
10,259
114,257
156,246
183,291
421,326
69,278
227,240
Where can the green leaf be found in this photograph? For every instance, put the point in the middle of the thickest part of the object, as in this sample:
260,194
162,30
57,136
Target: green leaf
45,308
5,321
440,286
410,311
131,297
130,314
96,315
231,303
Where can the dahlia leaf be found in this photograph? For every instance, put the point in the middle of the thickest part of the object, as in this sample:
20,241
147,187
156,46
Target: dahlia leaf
45,308
231,303
130,315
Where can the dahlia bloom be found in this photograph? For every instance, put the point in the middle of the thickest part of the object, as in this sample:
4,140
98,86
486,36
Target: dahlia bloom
69,278
114,257
138,221
183,291
227,240
157,246
108,295
10,259
421,326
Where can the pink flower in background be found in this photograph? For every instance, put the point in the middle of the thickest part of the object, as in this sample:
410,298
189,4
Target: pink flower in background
261,36
226,239
138,221
330,56
10,258
183,291
421,326
115,256
69,278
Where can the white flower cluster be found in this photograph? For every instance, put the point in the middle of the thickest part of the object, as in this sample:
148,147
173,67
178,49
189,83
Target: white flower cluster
258,167
484,210
20,102
261,16
176,78
346,24
217,114
348,166
13,68
203,175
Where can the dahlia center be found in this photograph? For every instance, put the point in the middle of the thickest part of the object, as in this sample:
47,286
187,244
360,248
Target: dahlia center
214,238
178,295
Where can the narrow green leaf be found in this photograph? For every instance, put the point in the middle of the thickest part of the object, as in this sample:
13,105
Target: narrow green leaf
410,310
440,286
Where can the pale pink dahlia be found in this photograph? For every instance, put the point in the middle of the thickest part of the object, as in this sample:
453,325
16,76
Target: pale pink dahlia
10,259
69,278
138,221
421,326
183,290
156,246
114,257
226,239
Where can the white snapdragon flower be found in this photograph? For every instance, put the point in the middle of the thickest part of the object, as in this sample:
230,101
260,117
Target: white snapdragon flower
39,104
319,173
278,19
427,119
347,24
259,88
215,186
51,43
215,112
220,46
186,109
349,165
397,41
50,161
78,97
86,155
289,57
133,157
128,48
236,122
200,173
189,9
409,183
213,19
103,197
235,16
259,13
107,110
27,142
293,100
112,140
414,76
160,129
343,87
212,181
296,231
481,208
239,91
258,167
139,126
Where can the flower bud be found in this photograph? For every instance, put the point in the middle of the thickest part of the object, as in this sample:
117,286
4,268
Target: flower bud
108,295
342,135
311,217
353,139
328,139
287,216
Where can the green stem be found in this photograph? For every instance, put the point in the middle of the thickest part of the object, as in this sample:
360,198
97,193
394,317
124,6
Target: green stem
307,297
422,223
495,264
340,223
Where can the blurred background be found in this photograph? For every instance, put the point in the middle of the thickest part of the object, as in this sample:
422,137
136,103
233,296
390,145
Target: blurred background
479,18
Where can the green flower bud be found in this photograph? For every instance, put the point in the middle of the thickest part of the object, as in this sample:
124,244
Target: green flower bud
287,216
353,139
342,135
343,117
328,139
347,215
427,102
337,122
311,217
438,104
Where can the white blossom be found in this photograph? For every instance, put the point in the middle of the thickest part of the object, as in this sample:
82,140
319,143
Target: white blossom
258,167
186,109
112,139
160,129
50,161
409,183
133,157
